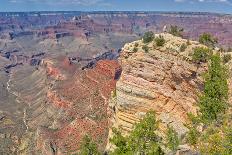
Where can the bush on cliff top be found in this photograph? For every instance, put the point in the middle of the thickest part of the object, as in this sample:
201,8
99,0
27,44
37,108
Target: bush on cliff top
176,31
145,48
148,37
159,41
183,47
208,40
200,55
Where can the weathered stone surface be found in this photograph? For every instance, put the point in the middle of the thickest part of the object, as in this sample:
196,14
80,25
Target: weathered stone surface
161,80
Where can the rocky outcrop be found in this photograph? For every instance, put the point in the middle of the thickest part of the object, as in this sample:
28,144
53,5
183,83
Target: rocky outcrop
163,79
82,102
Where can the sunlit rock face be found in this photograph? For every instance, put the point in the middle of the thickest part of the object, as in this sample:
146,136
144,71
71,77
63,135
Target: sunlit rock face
163,79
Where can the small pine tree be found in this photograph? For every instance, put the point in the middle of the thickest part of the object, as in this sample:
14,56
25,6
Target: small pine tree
148,37
213,102
88,147
172,139
200,55
142,140
120,142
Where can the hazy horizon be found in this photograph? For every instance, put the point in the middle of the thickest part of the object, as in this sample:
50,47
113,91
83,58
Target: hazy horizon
210,6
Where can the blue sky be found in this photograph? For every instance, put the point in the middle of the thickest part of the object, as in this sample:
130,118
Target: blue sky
222,6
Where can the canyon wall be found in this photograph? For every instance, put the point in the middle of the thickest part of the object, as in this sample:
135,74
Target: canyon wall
164,79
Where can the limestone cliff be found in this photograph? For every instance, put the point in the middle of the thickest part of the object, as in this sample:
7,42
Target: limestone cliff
163,79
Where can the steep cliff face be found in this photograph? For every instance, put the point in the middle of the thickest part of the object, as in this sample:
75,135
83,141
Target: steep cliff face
162,79
78,105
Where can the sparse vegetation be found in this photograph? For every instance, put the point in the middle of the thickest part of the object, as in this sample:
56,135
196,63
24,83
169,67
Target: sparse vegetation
213,102
211,130
159,41
88,147
172,139
192,135
188,42
136,44
135,49
145,48
215,141
208,40
176,31
142,139
148,37
183,47
226,58
229,49
200,55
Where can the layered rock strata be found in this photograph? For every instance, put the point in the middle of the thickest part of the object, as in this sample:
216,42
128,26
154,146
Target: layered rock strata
163,79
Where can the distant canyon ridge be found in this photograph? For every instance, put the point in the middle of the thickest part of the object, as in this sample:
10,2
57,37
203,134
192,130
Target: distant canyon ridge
58,71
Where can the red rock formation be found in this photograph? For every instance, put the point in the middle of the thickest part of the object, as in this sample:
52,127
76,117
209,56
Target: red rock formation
85,108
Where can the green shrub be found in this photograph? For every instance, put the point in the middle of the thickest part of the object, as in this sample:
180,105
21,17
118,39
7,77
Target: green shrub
226,58
159,41
135,49
142,139
192,136
183,47
145,48
136,44
172,139
208,40
200,55
148,37
88,147
176,31
188,42
213,102
216,141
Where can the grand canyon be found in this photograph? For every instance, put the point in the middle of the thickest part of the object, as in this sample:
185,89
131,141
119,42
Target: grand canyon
67,74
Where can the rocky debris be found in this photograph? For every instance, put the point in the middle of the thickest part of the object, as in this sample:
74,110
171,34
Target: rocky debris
163,80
